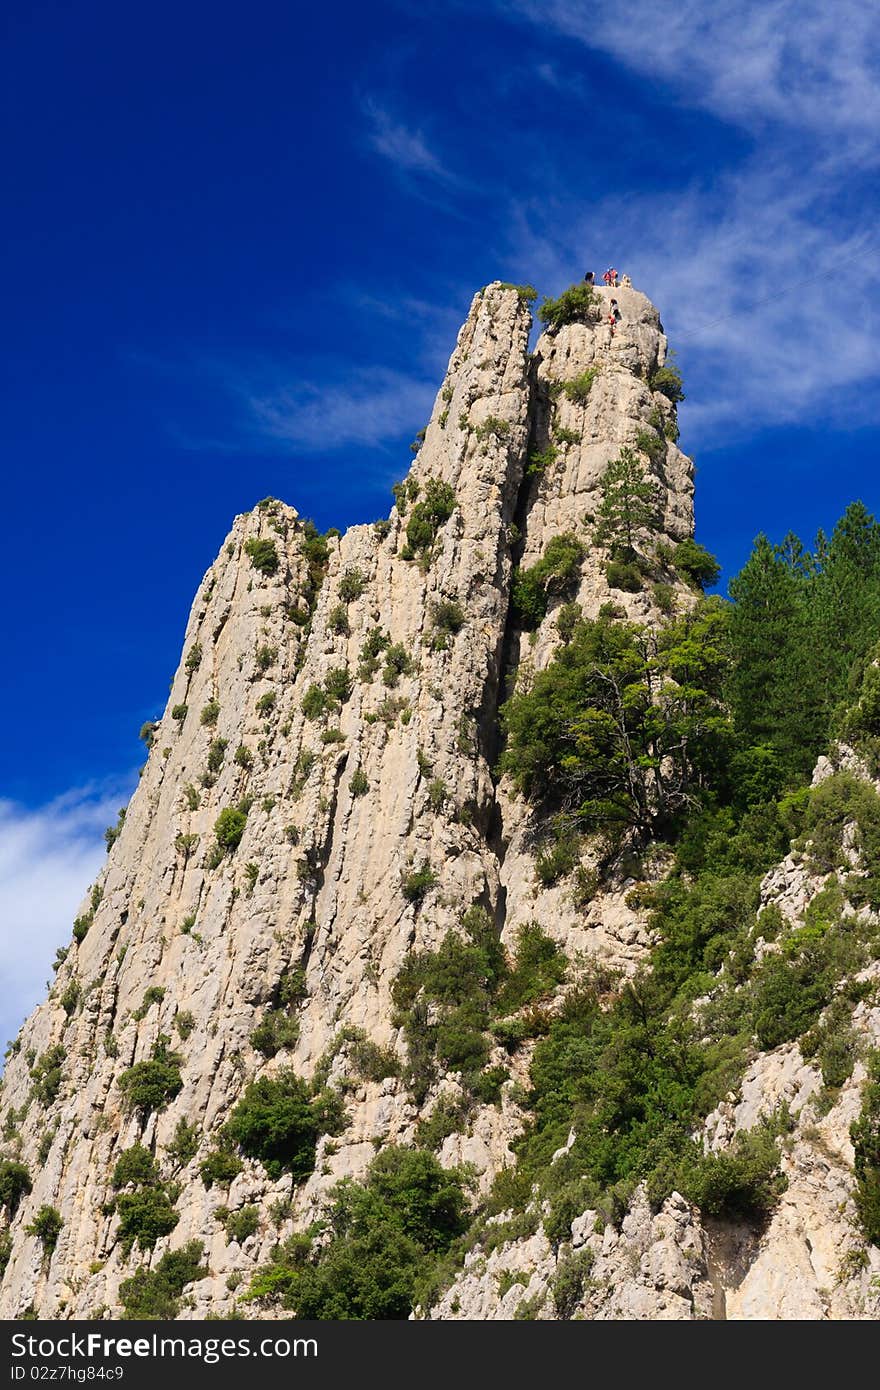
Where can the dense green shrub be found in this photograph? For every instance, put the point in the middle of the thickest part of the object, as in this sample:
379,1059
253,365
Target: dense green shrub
865,1136
136,1166
570,1281
241,1224
557,570
278,1122
337,621
220,1167
624,576
229,827
179,713
700,569
69,999
351,584
578,388
263,555
667,380
398,662
360,783
275,1031
456,983
154,1295
600,719
265,657
540,460
184,1143
145,1215
210,713
216,753
375,642
150,1085
652,445
416,883
429,515
46,1226
387,1233
81,926
15,1183
447,616
538,966
315,702
493,425
577,304
742,1181
338,685
47,1074
243,756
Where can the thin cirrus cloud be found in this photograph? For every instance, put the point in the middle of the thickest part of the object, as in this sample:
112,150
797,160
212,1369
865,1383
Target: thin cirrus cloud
371,405
402,145
801,63
48,857
751,289
768,270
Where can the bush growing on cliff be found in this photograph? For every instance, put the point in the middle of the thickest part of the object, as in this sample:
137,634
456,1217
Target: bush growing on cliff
700,569
625,727
229,827
742,1182
428,515
135,1165
46,1226
220,1166
577,304
15,1183
578,389
263,555
388,1231
154,1295
278,1122
556,571
150,1085
628,505
275,1031
865,1136
351,584
47,1074
145,1215
667,380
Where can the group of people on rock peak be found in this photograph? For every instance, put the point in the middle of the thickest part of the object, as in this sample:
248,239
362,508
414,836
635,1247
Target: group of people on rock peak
612,279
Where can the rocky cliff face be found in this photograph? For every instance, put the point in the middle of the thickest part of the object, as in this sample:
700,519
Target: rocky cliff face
341,700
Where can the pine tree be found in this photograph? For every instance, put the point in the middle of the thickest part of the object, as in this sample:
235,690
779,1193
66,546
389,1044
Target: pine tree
629,503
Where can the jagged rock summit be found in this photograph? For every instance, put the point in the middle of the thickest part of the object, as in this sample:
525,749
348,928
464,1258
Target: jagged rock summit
319,805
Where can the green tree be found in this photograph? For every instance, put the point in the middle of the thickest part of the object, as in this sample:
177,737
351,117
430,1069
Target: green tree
625,727
386,1231
770,685
629,504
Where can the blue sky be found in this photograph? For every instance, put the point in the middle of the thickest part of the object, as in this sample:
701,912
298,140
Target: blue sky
239,241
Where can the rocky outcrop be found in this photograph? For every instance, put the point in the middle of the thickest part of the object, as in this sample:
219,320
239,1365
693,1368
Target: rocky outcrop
339,697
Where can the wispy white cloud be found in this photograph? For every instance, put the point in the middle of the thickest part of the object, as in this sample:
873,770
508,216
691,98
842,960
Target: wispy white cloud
800,63
405,147
767,271
773,304
48,857
370,405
